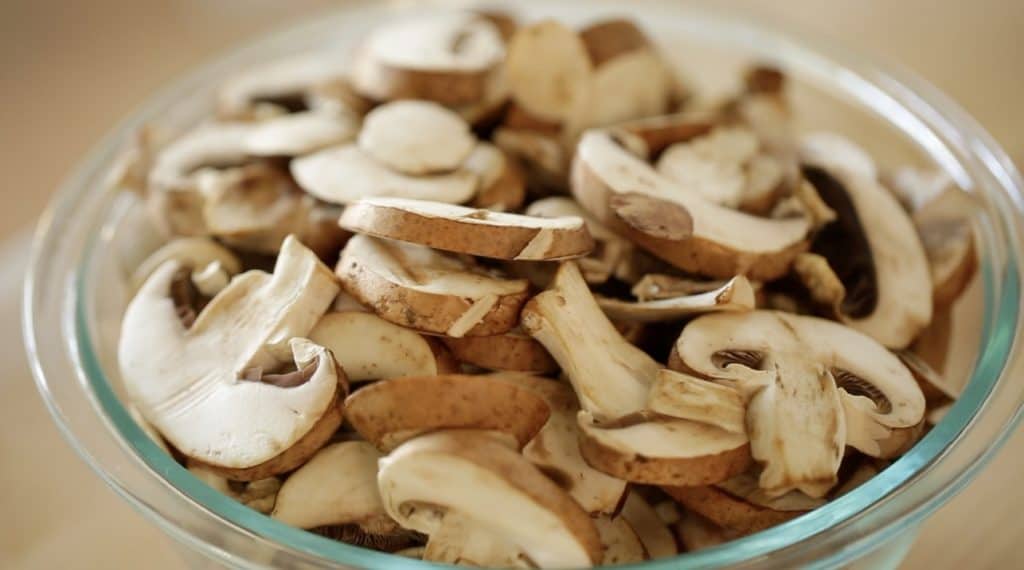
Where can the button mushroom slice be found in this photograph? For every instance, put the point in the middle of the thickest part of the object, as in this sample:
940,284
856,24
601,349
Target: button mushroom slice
549,71
836,153
446,58
258,495
544,159
877,256
416,137
812,387
678,395
610,250
655,286
475,476
555,450
935,388
192,383
194,252
723,242
512,351
419,288
944,225
471,231
655,535
502,186
620,541
211,279
736,295
370,348
300,133
208,146
388,412
345,174
648,137
696,533
460,541
277,87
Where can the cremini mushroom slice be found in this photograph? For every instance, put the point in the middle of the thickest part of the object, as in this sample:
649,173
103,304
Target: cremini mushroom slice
370,348
476,476
471,231
812,387
655,535
722,242
417,287
549,71
544,159
259,495
736,295
610,250
193,383
391,411
678,395
461,541
620,541
345,174
648,137
277,87
502,186
511,351
416,137
876,254
195,252
447,58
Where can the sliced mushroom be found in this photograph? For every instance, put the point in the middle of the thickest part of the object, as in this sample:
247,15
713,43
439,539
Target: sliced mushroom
657,539
370,348
194,252
620,541
190,382
512,351
277,87
723,242
648,137
934,387
697,533
549,71
544,159
944,225
837,153
259,495
148,429
460,541
812,386
300,133
468,230
678,395
447,58
656,286
211,279
500,492
391,411
345,174
416,137
610,250
417,287
502,186
736,295
864,471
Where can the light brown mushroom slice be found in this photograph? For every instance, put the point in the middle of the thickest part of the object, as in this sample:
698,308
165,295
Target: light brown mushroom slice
414,552
678,395
610,250
934,386
337,96
944,225
277,87
736,295
723,242
511,351
460,541
658,133
416,137
696,533
729,511
186,379
370,348
388,412
259,495
655,535
493,486
447,58
812,387
471,231
345,174
545,161
502,187
195,252
419,288
620,541
636,84
549,71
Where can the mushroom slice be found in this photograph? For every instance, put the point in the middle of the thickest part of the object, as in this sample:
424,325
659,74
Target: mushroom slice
945,229
610,250
447,58
812,387
468,230
736,295
259,495
648,137
837,153
277,87
195,252
502,187
549,71
934,387
513,351
677,395
338,486
556,449
723,242
370,348
300,133
877,256
208,146
697,532
544,159
345,174
416,137
148,429
620,541
476,476
417,287
211,279
461,541
191,383
391,411
655,286
657,539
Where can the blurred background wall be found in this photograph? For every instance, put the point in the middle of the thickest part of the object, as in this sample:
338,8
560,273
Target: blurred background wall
69,69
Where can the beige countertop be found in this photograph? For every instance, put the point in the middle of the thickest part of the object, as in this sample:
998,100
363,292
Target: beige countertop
69,70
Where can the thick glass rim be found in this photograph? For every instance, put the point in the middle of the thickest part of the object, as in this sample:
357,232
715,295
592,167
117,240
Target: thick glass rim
844,528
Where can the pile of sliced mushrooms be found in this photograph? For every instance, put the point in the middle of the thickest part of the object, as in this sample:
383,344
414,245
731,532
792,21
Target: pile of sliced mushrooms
508,294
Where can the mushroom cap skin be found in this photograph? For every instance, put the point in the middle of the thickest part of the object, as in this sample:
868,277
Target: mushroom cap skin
186,381
476,476
416,137
798,372
419,288
471,231
512,351
336,486
724,242
370,348
736,295
388,412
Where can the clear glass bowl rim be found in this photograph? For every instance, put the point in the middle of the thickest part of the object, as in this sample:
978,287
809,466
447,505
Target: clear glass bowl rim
842,530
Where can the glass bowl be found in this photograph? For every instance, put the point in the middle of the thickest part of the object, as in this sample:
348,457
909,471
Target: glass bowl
75,294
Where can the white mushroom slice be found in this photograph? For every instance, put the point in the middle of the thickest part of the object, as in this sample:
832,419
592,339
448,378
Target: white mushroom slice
549,71
543,157
211,145
723,242
345,174
390,411
195,252
259,495
502,186
512,351
298,134
416,137
447,58
467,230
835,152
944,225
812,386
211,279
679,395
338,486
556,450
621,543
657,539
369,348
610,250
492,485
191,383
417,287
276,87
877,255
630,79
736,295
460,541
